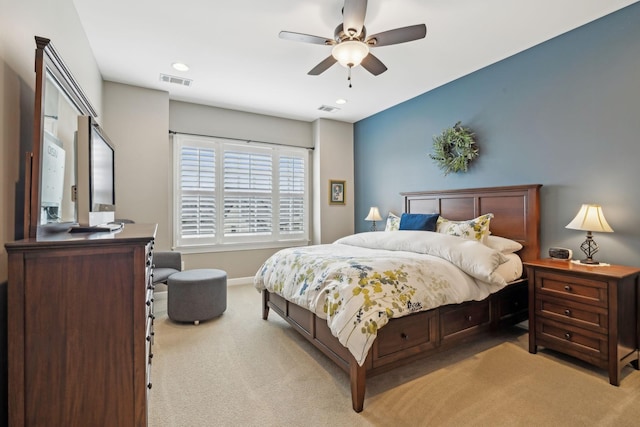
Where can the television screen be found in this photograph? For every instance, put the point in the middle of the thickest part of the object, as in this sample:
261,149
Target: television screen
101,175
95,184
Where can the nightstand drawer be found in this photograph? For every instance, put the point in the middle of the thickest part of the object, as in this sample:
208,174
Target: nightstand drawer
577,342
571,287
577,314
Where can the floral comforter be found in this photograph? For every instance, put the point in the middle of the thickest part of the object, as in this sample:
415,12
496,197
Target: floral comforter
361,281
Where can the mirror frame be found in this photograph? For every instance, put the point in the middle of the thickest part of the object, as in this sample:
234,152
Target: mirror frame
47,60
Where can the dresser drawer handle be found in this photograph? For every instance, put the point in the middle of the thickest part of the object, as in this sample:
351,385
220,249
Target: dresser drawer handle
567,335
567,288
469,318
404,336
567,312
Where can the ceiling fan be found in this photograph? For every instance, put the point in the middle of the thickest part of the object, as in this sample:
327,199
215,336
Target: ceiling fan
351,44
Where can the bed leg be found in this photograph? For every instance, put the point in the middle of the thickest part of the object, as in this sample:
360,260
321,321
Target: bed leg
358,378
265,304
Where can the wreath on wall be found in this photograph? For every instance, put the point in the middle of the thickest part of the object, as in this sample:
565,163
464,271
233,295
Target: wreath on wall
454,149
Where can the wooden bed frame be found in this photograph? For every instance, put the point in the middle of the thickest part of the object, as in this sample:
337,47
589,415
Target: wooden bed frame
516,212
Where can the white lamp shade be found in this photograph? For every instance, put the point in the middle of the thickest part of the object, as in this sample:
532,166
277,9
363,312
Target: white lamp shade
374,214
590,218
350,53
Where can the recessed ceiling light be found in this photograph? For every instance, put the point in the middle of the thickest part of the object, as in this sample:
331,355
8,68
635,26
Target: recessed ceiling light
341,101
180,66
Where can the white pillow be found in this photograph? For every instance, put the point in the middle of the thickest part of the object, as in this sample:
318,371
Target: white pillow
393,222
502,244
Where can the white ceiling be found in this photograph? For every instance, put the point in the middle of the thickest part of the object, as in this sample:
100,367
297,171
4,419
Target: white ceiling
237,60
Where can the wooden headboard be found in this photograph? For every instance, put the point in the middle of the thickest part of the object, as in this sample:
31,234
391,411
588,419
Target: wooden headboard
516,211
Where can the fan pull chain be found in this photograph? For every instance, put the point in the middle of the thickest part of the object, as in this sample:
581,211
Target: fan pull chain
349,76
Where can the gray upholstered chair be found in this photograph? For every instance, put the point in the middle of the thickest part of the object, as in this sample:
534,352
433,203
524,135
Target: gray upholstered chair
165,263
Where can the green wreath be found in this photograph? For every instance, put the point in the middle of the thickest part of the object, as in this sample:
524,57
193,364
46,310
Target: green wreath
454,149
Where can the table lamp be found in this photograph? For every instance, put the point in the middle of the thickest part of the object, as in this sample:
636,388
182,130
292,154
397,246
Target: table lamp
590,218
374,215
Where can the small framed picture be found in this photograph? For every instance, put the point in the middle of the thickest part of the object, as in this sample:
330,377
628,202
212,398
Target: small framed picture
336,192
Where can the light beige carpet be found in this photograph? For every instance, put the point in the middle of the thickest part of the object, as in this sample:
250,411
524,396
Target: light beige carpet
239,370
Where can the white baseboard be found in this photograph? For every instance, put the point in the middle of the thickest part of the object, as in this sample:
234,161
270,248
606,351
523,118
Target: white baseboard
240,281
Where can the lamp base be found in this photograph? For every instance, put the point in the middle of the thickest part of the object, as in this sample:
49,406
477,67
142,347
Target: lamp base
589,247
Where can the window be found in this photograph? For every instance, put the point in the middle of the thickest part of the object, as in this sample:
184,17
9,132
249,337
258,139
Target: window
239,195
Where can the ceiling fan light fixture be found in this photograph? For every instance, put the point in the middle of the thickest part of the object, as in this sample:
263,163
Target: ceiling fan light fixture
350,53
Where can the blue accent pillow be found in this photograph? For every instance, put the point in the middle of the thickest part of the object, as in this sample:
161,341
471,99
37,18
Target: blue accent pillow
425,222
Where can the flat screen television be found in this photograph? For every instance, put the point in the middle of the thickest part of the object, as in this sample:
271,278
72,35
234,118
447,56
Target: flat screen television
95,193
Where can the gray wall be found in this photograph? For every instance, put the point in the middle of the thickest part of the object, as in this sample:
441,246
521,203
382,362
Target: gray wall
565,114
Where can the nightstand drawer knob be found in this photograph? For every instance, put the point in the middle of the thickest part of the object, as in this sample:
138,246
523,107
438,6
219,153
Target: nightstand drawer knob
468,318
567,335
404,336
567,288
567,312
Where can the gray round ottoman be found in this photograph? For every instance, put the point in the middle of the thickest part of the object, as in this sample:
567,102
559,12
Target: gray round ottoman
196,295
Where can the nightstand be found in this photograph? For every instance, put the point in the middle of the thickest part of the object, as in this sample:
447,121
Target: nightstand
588,312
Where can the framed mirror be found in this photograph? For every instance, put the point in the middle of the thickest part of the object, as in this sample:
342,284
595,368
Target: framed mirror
51,175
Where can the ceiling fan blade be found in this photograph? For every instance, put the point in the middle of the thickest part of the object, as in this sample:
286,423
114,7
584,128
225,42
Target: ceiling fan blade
305,38
323,66
399,35
373,65
353,16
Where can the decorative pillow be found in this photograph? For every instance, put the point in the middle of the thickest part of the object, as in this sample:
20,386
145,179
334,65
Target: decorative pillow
393,222
425,222
472,229
501,244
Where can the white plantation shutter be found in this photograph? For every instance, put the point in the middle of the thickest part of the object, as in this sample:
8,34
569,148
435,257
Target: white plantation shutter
292,194
230,194
247,193
197,184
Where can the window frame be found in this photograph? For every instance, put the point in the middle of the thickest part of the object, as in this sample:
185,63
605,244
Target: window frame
220,242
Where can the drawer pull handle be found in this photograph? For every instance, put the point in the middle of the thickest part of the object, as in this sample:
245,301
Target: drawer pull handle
404,336
469,318
567,312
567,335
567,288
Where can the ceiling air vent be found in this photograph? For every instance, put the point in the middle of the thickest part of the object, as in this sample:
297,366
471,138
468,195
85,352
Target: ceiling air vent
328,108
175,80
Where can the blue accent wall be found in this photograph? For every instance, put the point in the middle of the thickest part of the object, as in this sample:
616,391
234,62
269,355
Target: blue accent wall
565,114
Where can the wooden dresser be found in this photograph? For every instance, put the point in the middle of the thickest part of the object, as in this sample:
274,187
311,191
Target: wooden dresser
588,312
80,328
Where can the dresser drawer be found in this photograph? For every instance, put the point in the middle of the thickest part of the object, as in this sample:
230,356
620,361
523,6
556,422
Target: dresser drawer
578,342
459,318
574,313
571,287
